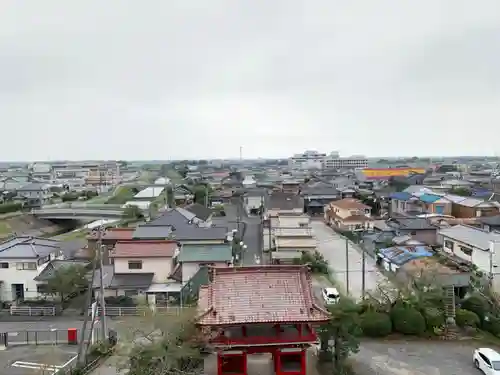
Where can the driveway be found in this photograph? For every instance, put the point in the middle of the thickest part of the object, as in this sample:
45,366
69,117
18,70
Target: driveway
415,358
346,268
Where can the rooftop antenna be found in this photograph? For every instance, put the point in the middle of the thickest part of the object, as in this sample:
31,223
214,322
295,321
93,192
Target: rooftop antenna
241,153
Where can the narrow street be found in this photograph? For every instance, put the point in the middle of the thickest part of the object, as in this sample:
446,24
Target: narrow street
346,266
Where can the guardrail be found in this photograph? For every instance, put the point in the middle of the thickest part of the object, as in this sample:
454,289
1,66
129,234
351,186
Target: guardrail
138,311
33,310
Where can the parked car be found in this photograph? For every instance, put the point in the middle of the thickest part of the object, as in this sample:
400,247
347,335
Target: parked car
487,360
330,295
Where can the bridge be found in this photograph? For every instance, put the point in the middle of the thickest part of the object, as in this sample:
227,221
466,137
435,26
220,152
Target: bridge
80,211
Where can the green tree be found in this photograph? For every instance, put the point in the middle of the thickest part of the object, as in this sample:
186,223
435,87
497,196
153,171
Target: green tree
340,336
463,192
201,192
162,345
67,281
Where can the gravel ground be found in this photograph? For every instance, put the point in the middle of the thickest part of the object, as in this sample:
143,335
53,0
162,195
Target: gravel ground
415,358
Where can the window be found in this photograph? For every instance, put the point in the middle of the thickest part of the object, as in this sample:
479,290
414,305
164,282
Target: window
26,266
4,265
413,232
135,265
131,292
466,250
448,244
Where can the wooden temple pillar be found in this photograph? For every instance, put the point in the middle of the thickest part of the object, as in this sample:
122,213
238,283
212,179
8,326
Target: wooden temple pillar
232,362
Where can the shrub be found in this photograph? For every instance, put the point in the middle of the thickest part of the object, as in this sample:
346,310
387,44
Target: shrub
376,324
407,320
466,318
478,305
492,325
433,318
10,207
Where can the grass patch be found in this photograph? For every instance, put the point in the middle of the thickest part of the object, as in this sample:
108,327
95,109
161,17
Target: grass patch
5,228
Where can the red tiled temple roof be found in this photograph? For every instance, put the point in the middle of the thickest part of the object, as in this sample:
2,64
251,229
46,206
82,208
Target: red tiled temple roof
263,294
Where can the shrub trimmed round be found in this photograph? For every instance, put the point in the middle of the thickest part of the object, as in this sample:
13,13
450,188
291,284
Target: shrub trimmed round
376,324
466,318
407,320
478,305
433,318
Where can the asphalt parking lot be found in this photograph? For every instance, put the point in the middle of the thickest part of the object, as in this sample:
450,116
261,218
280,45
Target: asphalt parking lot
36,360
416,358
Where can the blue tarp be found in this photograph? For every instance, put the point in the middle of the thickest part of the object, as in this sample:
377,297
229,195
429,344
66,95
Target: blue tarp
429,198
399,255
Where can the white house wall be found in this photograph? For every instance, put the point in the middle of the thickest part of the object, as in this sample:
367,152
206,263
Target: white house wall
161,267
12,275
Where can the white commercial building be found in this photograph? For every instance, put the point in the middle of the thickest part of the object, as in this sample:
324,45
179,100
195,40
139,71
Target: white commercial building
316,160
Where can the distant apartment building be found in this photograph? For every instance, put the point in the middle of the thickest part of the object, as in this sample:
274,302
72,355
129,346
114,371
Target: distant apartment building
307,160
334,161
94,173
315,160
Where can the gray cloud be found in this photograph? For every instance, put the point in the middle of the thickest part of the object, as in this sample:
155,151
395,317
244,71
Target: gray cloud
179,79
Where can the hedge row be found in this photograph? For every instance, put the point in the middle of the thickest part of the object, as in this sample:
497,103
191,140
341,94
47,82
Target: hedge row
10,207
477,312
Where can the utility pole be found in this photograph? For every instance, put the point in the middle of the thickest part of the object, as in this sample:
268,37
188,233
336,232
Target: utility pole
363,271
347,265
206,196
101,294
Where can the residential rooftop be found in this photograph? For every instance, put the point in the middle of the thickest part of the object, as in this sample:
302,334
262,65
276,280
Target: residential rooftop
144,249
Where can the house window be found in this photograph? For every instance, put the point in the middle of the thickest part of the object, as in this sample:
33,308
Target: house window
4,265
448,244
135,265
413,232
26,266
466,250
131,293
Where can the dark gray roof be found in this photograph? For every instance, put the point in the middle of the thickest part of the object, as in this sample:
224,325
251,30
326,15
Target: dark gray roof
322,190
315,204
490,220
28,247
412,223
194,232
149,231
200,211
171,217
33,186
285,201
131,280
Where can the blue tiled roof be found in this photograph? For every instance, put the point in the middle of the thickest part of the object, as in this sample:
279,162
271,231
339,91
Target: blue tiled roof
400,255
401,196
429,198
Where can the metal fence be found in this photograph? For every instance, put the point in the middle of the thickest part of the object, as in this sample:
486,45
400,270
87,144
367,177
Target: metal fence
138,310
42,337
34,310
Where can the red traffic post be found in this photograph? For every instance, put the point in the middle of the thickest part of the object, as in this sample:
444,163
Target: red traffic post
72,336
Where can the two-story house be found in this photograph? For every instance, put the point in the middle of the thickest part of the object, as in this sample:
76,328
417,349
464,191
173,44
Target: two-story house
34,194
141,265
349,214
474,246
109,238
22,259
419,229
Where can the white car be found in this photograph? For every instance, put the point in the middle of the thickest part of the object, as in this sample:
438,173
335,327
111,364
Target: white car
487,360
330,295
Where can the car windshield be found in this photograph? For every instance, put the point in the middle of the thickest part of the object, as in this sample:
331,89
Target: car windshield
332,296
495,365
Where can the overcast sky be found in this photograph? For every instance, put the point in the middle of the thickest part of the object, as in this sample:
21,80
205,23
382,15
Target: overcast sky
170,79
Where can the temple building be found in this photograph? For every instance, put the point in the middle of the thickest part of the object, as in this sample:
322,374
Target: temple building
260,309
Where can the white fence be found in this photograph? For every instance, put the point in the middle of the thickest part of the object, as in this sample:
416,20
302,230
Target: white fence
138,311
33,310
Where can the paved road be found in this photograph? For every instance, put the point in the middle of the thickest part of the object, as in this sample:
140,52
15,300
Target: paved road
415,358
250,227
333,248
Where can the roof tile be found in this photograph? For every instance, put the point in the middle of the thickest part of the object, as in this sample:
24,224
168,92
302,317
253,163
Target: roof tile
264,294
143,249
